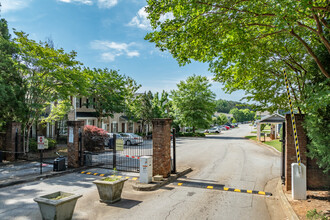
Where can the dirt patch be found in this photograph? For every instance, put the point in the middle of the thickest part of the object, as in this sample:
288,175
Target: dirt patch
319,200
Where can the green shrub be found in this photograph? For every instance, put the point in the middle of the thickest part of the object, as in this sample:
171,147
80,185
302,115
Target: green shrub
315,215
33,144
180,134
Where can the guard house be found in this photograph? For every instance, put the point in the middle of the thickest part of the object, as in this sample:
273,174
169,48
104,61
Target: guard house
274,119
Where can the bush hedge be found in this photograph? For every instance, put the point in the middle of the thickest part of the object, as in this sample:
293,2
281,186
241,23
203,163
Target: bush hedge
94,138
190,134
33,144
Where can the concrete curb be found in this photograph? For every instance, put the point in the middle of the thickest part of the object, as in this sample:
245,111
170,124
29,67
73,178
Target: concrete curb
289,212
156,185
21,180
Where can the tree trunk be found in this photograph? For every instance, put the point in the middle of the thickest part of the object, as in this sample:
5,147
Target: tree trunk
193,129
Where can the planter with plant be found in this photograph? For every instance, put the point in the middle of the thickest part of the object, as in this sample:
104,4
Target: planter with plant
58,205
110,188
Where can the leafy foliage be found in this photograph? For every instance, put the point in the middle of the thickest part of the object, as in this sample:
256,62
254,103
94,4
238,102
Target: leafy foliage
222,119
225,106
242,114
193,102
148,106
189,134
317,124
94,138
11,84
109,91
315,215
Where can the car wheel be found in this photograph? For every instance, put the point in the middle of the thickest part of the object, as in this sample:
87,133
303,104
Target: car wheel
128,143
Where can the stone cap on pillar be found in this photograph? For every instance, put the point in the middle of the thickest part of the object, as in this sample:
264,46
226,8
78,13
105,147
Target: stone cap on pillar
161,121
76,123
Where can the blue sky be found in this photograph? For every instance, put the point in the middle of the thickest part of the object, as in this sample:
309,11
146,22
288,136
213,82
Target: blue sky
105,33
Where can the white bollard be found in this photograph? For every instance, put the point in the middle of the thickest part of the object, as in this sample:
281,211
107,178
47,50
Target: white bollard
145,169
298,178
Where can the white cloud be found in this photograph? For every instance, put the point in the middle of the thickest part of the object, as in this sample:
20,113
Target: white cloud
13,5
85,2
111,50
109,57
133,53
100,3
141,19
107,3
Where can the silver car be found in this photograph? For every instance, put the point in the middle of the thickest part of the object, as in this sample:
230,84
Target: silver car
131,139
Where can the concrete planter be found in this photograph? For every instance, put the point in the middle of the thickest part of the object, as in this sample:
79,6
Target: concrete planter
57,209
110,192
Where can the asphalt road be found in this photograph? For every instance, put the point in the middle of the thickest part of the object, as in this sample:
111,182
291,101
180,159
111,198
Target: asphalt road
227,159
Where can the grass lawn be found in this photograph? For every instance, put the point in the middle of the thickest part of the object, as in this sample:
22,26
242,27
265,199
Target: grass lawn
251,137
275,144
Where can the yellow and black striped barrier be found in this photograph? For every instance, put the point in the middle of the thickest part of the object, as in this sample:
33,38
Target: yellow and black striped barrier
222,187
103,174
292,119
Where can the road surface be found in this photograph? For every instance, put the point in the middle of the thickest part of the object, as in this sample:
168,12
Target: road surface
226,159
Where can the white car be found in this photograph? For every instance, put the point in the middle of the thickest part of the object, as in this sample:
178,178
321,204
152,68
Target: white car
131,139
213,130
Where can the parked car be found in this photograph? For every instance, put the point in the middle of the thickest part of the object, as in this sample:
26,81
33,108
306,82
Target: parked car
109,141
222,128
131,139
227,127
212,130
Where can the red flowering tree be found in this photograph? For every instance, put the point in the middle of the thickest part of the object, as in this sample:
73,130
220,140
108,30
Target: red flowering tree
94,138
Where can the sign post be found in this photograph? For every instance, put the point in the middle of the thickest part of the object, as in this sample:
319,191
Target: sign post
41,147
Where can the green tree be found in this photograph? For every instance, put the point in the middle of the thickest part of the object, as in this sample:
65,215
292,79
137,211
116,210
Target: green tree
148,106
108,91
215,31
222,119
50,77
11,83
193,102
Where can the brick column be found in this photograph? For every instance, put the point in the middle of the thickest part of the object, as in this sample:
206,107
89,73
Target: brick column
12,127
290,149
73,142
161,137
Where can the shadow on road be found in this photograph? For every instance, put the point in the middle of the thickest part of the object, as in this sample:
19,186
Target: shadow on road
125,203
226,138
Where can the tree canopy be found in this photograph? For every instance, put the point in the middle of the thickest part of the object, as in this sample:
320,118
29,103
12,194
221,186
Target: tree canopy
193,102
223,32
108,91
11,84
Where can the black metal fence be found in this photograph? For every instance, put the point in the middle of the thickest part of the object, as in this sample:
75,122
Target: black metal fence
122,153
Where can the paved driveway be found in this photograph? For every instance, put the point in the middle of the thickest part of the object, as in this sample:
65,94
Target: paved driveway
227,159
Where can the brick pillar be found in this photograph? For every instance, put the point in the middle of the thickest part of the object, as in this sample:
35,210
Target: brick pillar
73,142
12,127
290,149
161,137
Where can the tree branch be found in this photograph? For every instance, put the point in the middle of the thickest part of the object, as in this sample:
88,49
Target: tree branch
310,51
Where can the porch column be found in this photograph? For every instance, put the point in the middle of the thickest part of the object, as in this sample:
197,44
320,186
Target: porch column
161,147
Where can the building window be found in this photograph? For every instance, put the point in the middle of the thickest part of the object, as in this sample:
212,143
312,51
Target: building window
78,102
114,127
62,127
130,127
